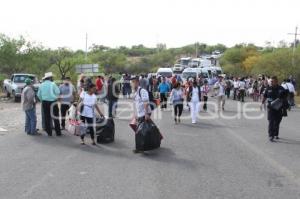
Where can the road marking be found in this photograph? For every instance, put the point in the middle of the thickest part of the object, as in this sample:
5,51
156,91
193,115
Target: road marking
3,130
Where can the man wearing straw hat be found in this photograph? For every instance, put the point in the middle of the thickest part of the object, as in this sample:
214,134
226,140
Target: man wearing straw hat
48,94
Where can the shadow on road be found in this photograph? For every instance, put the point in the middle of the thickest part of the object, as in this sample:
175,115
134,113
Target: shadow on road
288,141
165,155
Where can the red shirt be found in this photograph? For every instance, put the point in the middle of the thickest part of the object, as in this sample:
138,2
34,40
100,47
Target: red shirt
99,84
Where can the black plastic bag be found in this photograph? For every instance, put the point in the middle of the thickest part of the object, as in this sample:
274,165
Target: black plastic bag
148,136
105,130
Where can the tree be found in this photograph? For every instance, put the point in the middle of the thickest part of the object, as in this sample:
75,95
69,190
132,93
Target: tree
65,60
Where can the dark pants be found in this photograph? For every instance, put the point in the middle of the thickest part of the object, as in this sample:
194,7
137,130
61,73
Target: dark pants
48,109
163,100
242,95
235,92
63,112
227,92
205,102
178,107
274,118
90,126
112,107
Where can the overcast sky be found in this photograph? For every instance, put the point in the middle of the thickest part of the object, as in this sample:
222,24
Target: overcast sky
57,23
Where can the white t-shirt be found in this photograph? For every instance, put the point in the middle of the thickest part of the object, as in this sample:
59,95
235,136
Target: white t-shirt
288,86
89,102
242,85
141,97
221,88
195,94
236,84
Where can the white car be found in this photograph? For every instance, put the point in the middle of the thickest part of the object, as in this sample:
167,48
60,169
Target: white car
190,73
164,72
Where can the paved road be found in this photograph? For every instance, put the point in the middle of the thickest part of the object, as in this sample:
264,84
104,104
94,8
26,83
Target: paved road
216,158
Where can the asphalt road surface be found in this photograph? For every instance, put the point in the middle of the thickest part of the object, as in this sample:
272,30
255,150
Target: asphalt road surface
216,158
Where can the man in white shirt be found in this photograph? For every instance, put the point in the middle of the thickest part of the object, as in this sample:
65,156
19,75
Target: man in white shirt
141,102
220,92
287,85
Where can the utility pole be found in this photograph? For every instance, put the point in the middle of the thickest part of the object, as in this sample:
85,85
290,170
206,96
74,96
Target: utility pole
295,43
86,46
196,46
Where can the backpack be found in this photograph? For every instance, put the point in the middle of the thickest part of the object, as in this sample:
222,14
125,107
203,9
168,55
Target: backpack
151,99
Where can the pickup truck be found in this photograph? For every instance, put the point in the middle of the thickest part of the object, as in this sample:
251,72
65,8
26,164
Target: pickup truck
13,87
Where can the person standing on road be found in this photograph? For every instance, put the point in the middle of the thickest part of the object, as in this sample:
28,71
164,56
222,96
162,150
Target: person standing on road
235,88
113,91
204,93
194,98
67,93
142,105
48,94
87,105
228,87
177,96
163,89
220,92
242,89
28,103
272,94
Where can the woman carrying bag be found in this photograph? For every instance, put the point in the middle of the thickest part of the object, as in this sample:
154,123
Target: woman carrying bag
87,105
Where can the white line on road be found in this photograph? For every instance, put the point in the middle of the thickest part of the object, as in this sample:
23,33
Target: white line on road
3,130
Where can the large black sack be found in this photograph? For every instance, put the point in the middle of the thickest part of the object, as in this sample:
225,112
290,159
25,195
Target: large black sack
105,130
148,136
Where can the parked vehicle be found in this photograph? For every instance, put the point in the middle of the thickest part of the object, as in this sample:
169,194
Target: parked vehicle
165,72
13,87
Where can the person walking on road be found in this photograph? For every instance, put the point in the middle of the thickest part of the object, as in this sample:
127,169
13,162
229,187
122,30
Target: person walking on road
235,88
204,93
87,105
48,94
28,103
194,98
177,96
142,106
276,97
163,89
67,93
220,92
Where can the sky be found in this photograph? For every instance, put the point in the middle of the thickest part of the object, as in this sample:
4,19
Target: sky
64,23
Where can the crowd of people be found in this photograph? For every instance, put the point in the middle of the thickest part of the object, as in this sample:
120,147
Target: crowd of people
149,92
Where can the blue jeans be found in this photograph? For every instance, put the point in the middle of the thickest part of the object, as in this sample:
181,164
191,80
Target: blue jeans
30,121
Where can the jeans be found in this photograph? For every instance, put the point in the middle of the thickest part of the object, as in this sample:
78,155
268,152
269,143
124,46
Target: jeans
178,107
90,126
112,108
63,112
163,100
30,121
